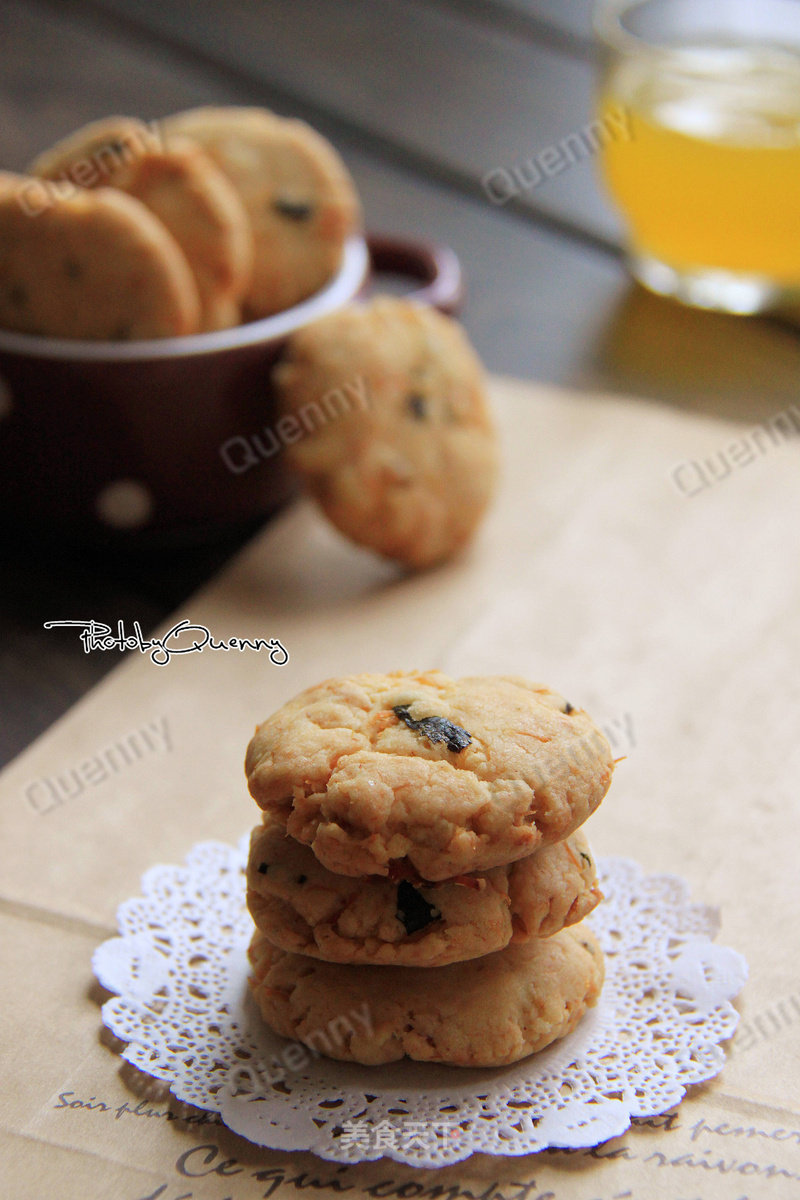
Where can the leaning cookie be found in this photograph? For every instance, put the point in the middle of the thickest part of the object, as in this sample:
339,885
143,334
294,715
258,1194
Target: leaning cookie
487,1012
90,264
306,909
183,188
297,193
454,776
396,440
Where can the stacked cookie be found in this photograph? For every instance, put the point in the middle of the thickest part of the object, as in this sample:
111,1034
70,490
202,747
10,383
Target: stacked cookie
198,222
420,864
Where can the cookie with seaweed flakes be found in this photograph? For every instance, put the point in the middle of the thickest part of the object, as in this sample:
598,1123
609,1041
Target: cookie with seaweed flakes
92,264
304,908
450,776
411,472
487,1012
298,195
183,188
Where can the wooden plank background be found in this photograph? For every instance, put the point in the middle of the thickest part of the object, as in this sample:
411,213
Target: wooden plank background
423,98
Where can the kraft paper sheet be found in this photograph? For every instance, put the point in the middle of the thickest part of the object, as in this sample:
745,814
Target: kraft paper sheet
667,606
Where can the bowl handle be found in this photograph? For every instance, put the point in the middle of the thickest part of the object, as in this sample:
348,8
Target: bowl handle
434,265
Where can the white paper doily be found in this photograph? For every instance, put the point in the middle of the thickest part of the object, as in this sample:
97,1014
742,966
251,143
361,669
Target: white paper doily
183,1008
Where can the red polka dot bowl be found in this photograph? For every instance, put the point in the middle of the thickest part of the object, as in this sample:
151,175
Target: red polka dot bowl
173,439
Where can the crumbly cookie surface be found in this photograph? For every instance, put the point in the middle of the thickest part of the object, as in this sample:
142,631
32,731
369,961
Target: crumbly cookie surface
90,264
306,909
396,443
453,776
182,187
487,1012
297,193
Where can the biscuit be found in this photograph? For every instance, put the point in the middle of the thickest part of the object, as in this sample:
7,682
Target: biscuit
92,154
183,188
409,472
453,776
306,909
297,193
487,1012
90,264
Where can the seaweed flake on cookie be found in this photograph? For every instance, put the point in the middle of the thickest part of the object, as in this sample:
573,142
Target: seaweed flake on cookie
304,908
297,192
90,264
182,186
487,1012
396,441
450,776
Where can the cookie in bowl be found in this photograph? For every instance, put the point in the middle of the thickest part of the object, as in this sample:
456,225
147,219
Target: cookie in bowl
92,264
298,195
182,186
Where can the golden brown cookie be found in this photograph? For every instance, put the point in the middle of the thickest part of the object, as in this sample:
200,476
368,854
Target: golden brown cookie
91,155
182,186
306,909
409,470
487,1012
91,264
298,195
453,776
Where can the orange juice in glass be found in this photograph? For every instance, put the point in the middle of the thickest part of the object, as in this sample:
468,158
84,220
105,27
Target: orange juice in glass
708,180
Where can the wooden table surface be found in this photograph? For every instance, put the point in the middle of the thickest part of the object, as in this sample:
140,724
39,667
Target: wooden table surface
423,98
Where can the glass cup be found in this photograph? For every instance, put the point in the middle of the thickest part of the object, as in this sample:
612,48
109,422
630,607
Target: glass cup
708,178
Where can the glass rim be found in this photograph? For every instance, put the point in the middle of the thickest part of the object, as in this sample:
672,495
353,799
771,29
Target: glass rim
609,27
